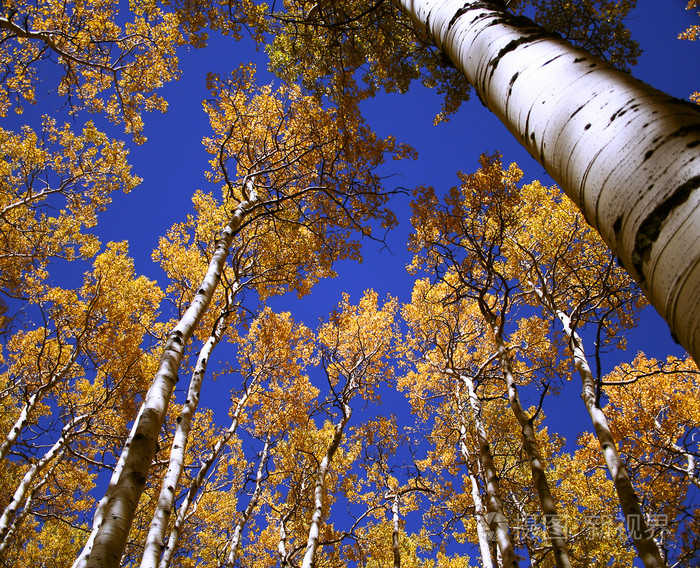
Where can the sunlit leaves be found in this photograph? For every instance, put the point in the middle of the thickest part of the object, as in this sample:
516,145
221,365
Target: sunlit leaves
52,188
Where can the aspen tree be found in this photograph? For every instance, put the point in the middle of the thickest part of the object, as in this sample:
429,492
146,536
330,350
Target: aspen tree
356,345
293,160
462,241
569,272
624,152
451,360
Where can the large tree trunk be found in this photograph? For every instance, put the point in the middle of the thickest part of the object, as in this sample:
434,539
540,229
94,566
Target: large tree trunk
155,540
624,152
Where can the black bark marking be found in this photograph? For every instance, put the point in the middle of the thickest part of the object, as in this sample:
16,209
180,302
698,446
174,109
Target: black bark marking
514,44
650,228
579,59
579,109
617,225
139,478
648,154
693,144
587,126
513,79
458,14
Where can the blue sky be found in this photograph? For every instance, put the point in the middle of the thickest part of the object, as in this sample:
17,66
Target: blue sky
173,160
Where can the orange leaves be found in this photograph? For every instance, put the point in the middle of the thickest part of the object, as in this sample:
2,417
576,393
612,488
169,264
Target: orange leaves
357,345
107,68
53,186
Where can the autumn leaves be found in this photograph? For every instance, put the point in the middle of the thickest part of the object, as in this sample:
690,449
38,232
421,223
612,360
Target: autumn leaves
108,456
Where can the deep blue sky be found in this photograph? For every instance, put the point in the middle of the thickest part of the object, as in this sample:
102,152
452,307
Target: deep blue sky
173,160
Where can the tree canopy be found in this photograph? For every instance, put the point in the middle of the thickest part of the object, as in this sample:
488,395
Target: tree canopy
258,328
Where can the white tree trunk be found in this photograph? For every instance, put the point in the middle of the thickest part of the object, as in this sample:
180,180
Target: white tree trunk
23,490
111,537
173,540
479,509
647,550
395,528
252,504
624,152
29,406
317,516
497,518
155,539
548,506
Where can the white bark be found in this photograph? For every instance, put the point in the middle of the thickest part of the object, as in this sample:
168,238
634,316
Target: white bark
110,540
395,527
202,475
690,463
24,489
317,516
624,152
81,561
166,499
493,490
29,406
248,512
647,550
479,509
553,523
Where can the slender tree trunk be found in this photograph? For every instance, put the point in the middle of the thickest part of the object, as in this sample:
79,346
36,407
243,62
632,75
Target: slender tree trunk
317,516
282,543
29,406
110,540
23,491
173,540
691,465
479,509
636,523
496,517
166,499
624,152
395,549
21,515
250,508
531,447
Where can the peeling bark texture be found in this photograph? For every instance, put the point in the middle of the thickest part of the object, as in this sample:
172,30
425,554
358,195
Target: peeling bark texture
625,153
110,540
